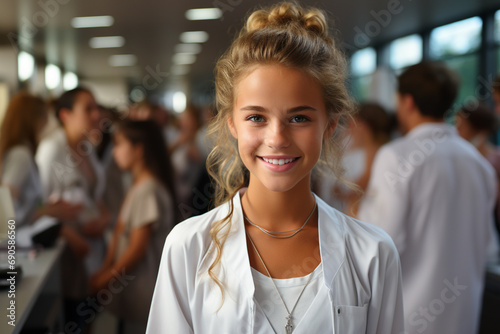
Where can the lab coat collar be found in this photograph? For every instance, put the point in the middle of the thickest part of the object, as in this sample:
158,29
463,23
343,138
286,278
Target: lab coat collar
331,237
432,128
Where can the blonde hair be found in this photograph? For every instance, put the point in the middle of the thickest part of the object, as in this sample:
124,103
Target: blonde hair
285,34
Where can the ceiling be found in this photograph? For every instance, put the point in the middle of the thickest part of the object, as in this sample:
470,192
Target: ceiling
151,29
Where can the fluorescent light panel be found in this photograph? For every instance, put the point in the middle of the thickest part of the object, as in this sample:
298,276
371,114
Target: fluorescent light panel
107,42
188,48
179,70
92,21
194,37
184,58
122,60
203,14
25,65
179,102
52,76
70,81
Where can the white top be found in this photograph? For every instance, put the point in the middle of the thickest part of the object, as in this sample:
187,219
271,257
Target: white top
146,203
434,194
269,301
361,271
20,173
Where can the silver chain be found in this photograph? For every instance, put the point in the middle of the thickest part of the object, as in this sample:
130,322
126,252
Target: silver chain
294,232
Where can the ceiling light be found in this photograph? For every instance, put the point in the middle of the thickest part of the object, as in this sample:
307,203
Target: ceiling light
52,76
188,48
203,14
179,70
70,81
183,58
25,65
92,21
107,42
179,102
122,60
194,37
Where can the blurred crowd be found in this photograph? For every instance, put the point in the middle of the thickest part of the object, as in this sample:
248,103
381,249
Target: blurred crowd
119,181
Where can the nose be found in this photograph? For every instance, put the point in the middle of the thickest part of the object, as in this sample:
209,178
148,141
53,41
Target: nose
277,135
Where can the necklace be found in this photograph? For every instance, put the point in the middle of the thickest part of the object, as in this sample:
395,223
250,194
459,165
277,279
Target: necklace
274,234
288,326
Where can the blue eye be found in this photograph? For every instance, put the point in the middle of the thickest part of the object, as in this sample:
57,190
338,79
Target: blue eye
255,118
299,119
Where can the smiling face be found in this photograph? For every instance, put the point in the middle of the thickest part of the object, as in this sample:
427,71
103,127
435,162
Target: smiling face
279,120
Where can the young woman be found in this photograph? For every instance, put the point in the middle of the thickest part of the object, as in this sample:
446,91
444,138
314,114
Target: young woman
24,120
273,257
70,170
146,217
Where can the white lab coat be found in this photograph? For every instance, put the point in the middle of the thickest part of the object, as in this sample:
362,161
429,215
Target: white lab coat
434,194
62,178
361,294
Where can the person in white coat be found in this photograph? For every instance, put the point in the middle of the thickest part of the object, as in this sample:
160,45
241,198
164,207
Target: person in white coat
434,194
272,257
70,170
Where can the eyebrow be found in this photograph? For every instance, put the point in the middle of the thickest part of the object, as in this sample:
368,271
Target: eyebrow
292,110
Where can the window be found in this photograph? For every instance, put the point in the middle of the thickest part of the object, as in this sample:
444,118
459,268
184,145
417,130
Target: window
457,44
405,51
363,64
456,38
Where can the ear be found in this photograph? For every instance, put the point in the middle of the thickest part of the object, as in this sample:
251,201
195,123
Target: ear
232,128
64,114
407,102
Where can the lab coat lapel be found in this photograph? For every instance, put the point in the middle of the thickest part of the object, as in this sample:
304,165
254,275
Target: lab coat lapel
331,241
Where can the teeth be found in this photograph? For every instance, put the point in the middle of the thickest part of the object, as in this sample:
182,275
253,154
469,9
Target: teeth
278,161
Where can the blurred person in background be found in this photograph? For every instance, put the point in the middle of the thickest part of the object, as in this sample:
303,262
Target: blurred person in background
146,217
369,130
114,191
70,170
434,194
188,159
477,124
22,125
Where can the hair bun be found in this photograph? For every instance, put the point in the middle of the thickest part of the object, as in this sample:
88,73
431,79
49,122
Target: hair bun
287,15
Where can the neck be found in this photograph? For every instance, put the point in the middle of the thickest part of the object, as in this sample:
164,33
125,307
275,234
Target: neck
140,173
278,211
420,119
73,139
482,144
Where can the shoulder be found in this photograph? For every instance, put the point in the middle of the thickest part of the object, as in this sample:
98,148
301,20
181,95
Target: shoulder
192,236
52,145
368,237
361,237
19,154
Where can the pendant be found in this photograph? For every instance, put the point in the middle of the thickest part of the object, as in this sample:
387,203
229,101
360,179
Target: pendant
289,327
